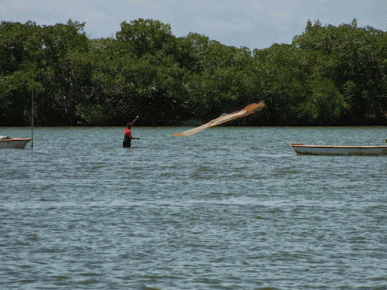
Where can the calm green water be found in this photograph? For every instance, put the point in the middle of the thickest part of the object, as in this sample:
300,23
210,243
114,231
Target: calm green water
227,208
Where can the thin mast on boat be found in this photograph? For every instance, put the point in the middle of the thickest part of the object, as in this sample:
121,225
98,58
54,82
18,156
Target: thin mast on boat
32,118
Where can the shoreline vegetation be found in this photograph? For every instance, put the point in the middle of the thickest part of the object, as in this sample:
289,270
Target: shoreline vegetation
327,76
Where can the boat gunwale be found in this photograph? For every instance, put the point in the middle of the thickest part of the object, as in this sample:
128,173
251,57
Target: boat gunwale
15,139
339,146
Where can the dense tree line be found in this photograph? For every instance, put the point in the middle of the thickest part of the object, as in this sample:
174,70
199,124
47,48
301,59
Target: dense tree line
328,76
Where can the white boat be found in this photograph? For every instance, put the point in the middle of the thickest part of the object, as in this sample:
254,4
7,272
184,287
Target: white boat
302,149
17,143
20,143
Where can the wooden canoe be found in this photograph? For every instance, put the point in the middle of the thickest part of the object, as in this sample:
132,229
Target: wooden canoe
302,149
17,143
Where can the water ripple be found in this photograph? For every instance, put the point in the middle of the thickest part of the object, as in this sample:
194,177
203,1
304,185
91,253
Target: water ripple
228,208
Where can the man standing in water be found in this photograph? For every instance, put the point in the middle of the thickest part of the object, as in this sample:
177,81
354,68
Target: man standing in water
128,134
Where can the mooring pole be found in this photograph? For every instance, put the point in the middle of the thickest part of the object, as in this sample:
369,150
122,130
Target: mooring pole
32,118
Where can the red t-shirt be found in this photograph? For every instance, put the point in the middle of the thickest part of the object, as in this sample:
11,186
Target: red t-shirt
128,133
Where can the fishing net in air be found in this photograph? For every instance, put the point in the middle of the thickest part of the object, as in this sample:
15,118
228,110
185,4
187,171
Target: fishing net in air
250,109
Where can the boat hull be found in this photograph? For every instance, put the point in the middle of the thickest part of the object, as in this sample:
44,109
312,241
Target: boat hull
16,143
335,150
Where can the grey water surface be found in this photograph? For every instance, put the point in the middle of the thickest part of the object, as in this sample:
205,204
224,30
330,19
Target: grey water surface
226,208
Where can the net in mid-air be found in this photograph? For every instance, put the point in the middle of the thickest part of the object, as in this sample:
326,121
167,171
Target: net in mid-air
250,109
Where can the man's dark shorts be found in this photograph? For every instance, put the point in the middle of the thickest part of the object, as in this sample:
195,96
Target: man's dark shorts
126,142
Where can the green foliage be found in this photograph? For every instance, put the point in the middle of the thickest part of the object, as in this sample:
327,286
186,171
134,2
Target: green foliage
31,58
359,73
92,115
324,105
327,76
144,36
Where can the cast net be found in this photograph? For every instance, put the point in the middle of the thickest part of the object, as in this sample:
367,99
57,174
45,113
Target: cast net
250,109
